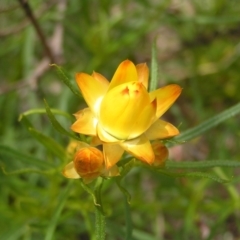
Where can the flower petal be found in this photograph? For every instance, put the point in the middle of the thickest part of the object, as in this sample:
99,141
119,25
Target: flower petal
165,96
70,172
95,141
161,154
112,154
122,107
141,148
86,122
112,172
104,136
144,120
126,72
161,130
99,77
92,90
143,74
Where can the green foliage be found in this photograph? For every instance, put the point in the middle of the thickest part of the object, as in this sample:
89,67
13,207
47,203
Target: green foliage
196,46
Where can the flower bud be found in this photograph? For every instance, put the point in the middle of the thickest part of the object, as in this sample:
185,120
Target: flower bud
88,162
161,154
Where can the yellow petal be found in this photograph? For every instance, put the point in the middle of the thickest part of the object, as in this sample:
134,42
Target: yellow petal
86,122
122,107
161,130
144,120
161,154
99,77
112,172
140,148
104,136
112,154
143,74
95,141
92,90
70,172
126,72
165,96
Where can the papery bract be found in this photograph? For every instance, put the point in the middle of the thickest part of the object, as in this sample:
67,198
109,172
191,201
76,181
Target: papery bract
122,115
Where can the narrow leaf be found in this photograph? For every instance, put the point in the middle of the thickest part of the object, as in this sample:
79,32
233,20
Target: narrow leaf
25,170
57,125
194,174
57,212
7,152
49,143
43,111
202,164
90,191
208,124
154,69
123,190
66,80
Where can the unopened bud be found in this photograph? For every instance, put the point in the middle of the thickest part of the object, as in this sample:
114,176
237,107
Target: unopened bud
161,154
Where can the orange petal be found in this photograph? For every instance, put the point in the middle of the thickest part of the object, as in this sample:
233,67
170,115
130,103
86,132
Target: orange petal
70,172
165,96
140,148
161,130
126,72
143,74
88,161
86,122
122,107
112,154
99,77
92,90
161,154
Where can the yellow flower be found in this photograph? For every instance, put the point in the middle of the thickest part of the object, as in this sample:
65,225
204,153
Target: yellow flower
122,115
88,164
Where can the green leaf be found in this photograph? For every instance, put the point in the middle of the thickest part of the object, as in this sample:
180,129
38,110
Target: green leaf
91,192
43,111
202,164
57,125
123,190
57,212
194,174
49,143
66,80
14,231
208,124
154,69
127,167
7,152
25,170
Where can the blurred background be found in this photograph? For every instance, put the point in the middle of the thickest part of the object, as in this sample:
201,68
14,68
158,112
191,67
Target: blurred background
198,47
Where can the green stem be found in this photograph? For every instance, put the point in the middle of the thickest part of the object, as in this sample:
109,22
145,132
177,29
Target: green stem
99,212
128,219
100,225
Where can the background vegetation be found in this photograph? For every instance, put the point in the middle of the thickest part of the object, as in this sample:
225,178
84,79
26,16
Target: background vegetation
198,48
